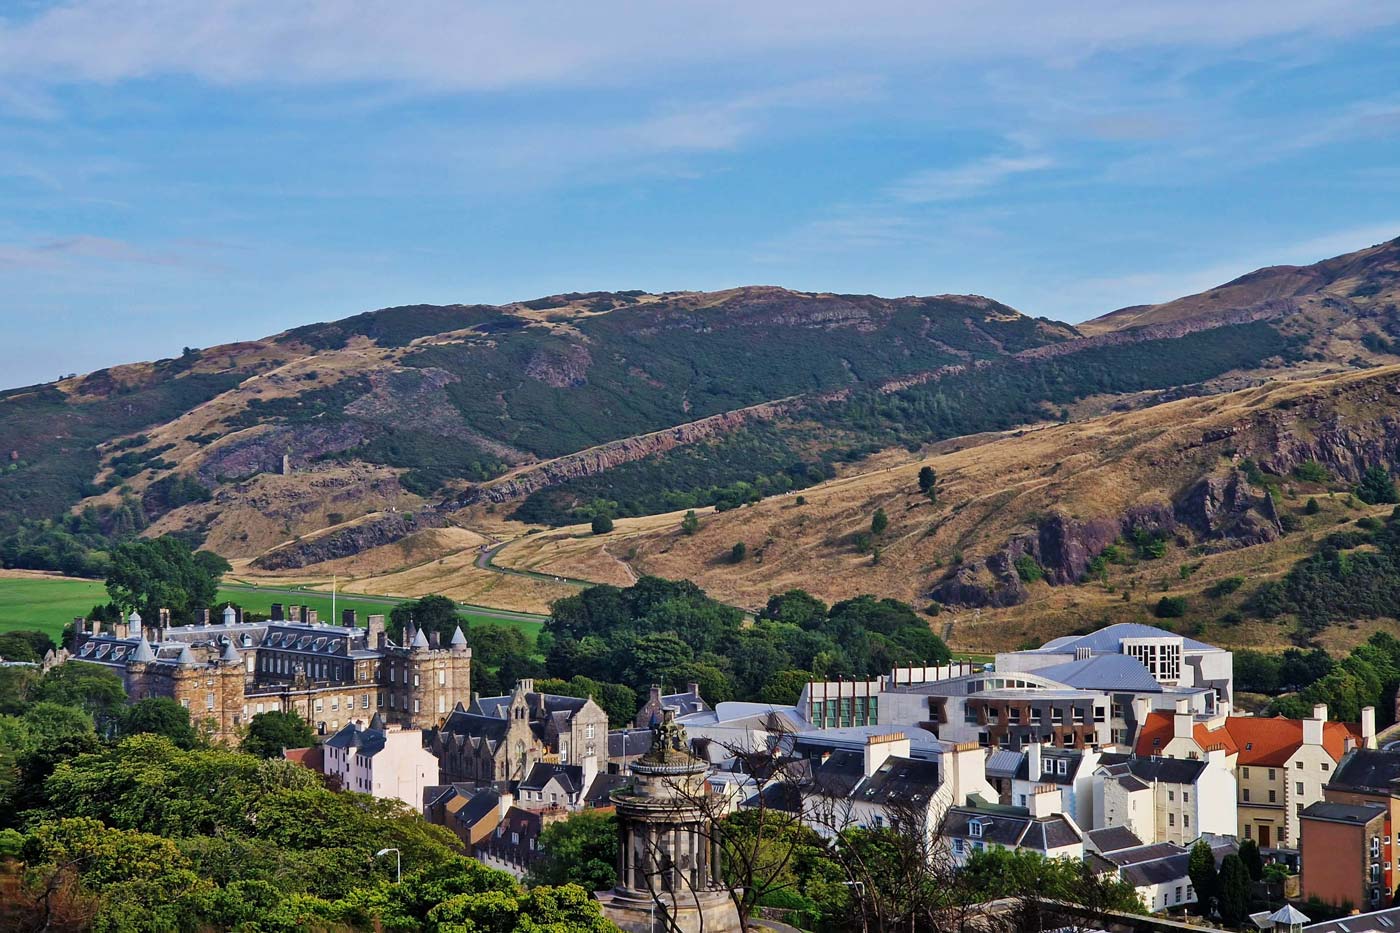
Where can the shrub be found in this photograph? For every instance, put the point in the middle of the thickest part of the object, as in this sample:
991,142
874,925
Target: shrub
1170,607
602,524
1376,486
928,477
1224,587
1028,570
690,523
738,552
1310,471
879,522
1312,508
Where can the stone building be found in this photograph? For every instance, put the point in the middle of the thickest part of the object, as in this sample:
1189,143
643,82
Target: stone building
499,739
668,859
331,675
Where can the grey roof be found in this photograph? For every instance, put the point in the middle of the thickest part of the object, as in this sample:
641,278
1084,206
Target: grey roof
498,706
1072,758
367,742
1004,763
475,725
922,743
186,656
599,792
1106,640
143,651
420,640
479,806
1359,923
1011,826
1113,839
459,640
900,781
1368,769
628,743
230,653
840,773
1289,914
1165,770
1104,672
569,777
1157,871
1356,813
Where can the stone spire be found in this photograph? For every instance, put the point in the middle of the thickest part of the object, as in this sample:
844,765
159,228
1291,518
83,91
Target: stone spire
420,640
186,658
459,640
143,651
230,653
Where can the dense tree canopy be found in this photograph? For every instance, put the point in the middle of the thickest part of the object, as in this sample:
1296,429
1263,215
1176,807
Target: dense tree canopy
430,614
150,574
671,633
271,733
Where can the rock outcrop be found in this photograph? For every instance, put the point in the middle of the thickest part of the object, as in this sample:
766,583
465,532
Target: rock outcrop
347,542
1229,513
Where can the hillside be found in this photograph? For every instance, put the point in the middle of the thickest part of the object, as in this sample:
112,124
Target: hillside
1362,287
1179,485
358,446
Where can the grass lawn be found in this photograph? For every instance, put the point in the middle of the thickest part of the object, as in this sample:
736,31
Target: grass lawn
49,603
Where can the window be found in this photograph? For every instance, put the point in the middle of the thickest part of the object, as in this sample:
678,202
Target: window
1022,802
1272,774
442,678
1171,796
974,829
1248,830
1171,819
1298,809
1186,796
1063,766
1299,785
209,701
364,701
1246,794
1178,894
588,731
1245,771
1298,765
415,680
1273,796
1186,820
1326,766
957,847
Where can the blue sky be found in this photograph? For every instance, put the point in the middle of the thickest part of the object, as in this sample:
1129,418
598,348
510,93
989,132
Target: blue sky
189,172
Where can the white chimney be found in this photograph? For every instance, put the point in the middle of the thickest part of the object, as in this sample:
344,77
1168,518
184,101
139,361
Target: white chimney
1046,800
1368,726
879,748
590,772
1313,725
1033,761
1181,720
965,766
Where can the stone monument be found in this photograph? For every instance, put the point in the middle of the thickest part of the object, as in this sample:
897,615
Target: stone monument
668,858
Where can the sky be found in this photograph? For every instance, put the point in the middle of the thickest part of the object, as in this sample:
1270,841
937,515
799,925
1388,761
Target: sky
190,172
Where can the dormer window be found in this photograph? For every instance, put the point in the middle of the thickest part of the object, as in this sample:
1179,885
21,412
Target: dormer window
974,829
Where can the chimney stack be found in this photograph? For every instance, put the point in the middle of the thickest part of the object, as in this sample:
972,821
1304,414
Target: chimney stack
348,619
1368,726
1033,761
374,634
1181,720
277,613
1045,800
310,615
880,748
1313,725
435,640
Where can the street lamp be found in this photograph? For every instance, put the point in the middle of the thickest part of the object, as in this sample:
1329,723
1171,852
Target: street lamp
398,863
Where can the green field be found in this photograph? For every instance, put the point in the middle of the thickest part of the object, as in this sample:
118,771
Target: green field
49,604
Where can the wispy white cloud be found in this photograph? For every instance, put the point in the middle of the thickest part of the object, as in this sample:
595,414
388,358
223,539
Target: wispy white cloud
67,251
967,180
446,44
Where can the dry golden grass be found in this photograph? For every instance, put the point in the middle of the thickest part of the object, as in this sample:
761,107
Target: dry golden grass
987,493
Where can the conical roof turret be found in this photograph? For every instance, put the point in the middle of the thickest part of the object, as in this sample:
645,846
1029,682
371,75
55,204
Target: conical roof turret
420,640
230,654
459,639
186,657
143,651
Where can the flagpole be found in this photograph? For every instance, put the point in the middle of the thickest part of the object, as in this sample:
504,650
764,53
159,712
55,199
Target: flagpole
335,619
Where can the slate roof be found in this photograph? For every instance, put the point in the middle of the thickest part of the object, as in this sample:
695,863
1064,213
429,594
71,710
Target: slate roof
498,706
475,725
1165,770
1004,763
840,773
1071,757
569,777
1106,640
1005,826
901,781
1359,923
600,791
367,742
1358,814
478,807
1366,769
628,743
1158,871
1104,672
1113,839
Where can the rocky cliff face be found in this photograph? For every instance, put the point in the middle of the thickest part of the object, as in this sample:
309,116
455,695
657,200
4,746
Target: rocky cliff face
347,542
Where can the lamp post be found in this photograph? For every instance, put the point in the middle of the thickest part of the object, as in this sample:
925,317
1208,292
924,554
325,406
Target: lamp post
398,863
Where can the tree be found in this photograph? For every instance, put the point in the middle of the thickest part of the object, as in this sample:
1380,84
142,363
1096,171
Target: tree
1312,507
784,687
928,479
429,614
1377,486
162,573
1201,868
795,607
738,552
25,645
160,716
1253,861
602,524
1233,897
580,850
1170,607
270,733
879,522
89,687
690,523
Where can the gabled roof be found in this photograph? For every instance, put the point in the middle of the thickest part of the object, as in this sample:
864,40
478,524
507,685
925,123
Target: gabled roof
1113,839
1271,741
475,725
1165,770
900,781
568,777
1355,813
1072,758
1011,826
1158,730
367,742
1367,769
1104,672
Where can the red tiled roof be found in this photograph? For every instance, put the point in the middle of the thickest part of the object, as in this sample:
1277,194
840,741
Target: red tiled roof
1272,741
1158,730
1265,741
